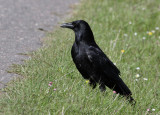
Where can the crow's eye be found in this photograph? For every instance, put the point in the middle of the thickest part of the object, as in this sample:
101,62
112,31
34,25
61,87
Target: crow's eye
73,23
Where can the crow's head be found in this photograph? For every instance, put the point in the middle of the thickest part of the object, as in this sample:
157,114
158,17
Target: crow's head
82,31
79,25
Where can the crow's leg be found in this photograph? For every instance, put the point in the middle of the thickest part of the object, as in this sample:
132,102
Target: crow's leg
131,100
102,87
92,83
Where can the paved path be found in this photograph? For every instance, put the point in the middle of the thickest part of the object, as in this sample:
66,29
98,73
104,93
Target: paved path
19,23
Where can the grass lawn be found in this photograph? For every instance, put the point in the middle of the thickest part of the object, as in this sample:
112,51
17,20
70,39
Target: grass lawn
127,31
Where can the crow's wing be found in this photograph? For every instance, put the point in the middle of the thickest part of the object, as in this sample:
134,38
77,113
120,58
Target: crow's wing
102,62
107,69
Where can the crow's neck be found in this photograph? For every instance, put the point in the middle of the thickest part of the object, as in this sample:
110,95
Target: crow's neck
85,37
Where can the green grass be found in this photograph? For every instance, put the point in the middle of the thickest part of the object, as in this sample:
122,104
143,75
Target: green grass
109,20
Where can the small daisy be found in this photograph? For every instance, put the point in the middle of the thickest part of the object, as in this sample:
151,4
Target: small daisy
50,84
137,75
150,33
136,79
144,38
138,68
122,51
157,28
114,63
143,8
153,31
135,33
130,22
145,79
148,109
87,81
153,109
114,92
125,35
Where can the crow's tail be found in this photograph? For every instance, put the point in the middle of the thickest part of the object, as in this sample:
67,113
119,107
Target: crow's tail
122,89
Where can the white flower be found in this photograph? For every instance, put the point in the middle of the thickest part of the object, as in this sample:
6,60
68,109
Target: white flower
143,8
130,22
153,31
114,63
145,79
125,35
137,68
144,38
135,34
137,75
157,28
136,79
153,109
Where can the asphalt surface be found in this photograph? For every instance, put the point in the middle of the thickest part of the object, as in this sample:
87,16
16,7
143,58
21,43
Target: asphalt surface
19,23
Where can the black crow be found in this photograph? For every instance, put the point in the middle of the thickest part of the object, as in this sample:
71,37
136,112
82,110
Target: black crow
91,61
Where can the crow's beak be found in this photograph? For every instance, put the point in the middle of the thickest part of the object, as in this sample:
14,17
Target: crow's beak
67,25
